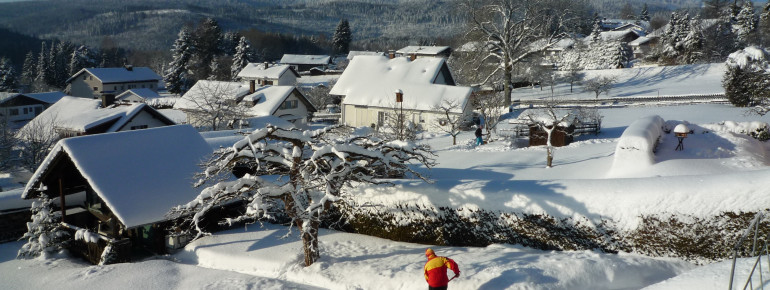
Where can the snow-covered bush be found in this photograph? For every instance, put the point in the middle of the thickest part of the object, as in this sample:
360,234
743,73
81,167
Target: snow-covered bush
696,239
637,144
44,233
746,80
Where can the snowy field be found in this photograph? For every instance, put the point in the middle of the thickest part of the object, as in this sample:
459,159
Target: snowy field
650,81
717,171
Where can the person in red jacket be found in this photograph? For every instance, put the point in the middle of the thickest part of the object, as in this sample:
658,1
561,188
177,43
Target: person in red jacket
436,268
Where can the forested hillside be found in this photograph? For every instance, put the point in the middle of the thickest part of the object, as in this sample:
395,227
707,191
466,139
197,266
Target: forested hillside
153,25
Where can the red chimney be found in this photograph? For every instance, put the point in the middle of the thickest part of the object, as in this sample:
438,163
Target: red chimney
252,86
413,56
391,54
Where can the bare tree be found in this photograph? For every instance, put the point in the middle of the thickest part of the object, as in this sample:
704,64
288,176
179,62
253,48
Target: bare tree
507,30
450,122
35,141
491,107
306,171
599,85
549,119
397,124
319,95
213,104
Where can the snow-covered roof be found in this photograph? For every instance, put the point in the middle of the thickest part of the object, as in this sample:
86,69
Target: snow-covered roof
177,116
424,50
81,115
267,99
612,35
143,93
120,74
372,81
139,183
305,59
205,89
258,71
49,97
639,41
354,53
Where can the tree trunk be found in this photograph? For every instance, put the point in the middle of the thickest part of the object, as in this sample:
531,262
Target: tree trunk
310,242
549,158
508,72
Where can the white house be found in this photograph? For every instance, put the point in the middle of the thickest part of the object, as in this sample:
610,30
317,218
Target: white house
285,102
369,83
17,109
94,82
72,116
266,74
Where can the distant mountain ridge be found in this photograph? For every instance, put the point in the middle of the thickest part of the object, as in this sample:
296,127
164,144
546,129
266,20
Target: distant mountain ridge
153,25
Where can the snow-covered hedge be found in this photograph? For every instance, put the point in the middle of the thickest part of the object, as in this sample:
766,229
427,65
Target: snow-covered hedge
696,239
636,145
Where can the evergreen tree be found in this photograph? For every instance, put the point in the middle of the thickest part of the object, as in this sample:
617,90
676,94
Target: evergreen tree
644,15
44,232
721,41
8,77
241,58
746,80
60,64
342,38
81,58
207,40
177,76
693,44
28,69
42,70
746,24
764,25
597,29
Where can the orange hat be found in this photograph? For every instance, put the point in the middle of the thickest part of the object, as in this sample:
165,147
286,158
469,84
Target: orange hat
429,252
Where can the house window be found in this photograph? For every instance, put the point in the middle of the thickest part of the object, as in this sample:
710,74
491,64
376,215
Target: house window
96,89
38,110
115,88
152,86
380,119
14,112
138,127
84,77
289,105
26,111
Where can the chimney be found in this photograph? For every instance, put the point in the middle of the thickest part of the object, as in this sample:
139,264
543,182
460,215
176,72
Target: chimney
265,63
129,67
391,54
413,56
108,100
252,86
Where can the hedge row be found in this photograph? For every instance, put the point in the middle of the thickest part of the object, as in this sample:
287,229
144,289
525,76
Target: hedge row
699,240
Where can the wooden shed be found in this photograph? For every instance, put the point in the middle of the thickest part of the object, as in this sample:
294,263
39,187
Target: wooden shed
562,136
120,186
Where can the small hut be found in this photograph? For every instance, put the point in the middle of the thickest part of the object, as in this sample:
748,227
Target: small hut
119,186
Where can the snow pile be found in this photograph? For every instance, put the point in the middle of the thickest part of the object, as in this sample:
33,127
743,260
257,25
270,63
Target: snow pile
738,127
636,145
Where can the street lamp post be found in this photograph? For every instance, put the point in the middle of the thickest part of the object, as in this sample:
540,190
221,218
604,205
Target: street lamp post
400,100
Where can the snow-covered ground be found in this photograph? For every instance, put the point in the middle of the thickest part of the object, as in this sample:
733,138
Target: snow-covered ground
651,81
717,171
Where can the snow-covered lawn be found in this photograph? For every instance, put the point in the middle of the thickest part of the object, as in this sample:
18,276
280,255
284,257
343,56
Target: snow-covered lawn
651,81
716,171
